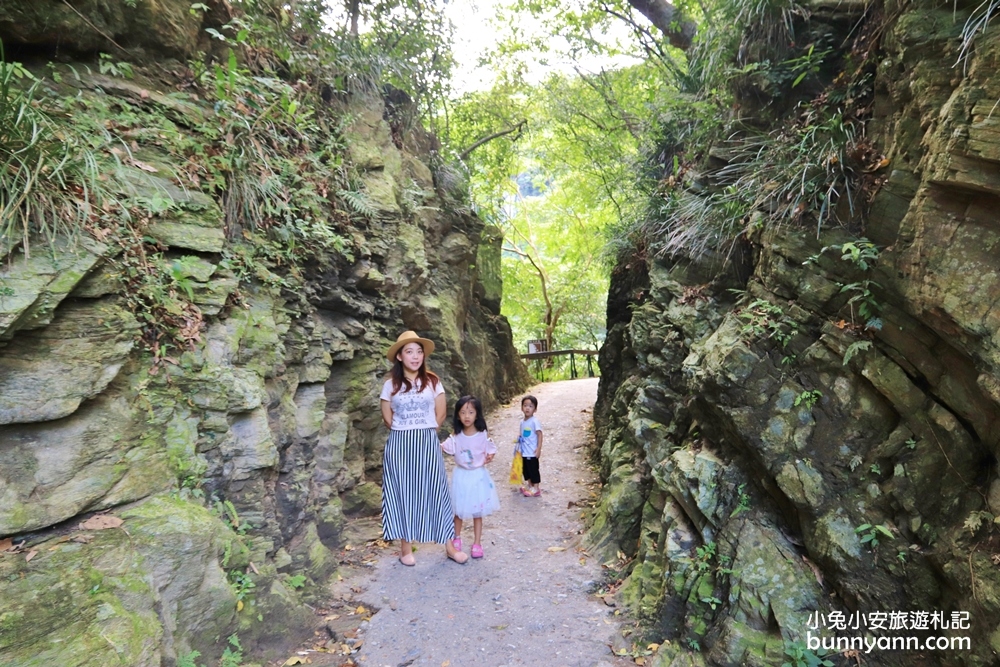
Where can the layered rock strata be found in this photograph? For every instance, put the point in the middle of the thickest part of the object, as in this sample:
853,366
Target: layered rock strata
765,458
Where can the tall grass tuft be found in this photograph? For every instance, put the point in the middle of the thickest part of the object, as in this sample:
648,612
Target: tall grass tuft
48,180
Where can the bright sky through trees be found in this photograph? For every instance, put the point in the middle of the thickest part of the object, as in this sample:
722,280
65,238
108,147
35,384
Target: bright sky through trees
479,31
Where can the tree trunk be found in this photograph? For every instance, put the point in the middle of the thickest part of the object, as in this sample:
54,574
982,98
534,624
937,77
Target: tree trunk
354,10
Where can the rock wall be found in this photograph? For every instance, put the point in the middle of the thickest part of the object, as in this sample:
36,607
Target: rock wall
238,465
764,459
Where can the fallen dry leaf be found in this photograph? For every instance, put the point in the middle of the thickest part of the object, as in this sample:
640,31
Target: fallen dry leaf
83,538
6,544
142,165
101,522
31,554
556,549
446,663
640,660
360,610
294,660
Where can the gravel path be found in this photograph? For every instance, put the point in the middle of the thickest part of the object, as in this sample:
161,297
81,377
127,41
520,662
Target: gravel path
526,602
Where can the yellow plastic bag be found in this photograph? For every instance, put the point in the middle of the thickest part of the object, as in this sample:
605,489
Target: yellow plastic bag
517,470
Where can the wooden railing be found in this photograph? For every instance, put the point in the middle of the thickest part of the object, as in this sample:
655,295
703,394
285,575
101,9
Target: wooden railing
537,357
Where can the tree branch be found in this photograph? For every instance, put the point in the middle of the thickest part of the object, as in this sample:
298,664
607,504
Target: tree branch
519,128
678,31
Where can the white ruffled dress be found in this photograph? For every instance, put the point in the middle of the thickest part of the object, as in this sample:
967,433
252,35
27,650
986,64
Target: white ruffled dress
473,493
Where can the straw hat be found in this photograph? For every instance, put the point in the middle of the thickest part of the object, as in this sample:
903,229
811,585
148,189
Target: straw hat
409,337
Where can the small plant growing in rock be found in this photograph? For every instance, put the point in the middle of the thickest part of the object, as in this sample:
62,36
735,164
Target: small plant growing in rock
712,602
763,319
799,655
744,502
870,533
297,581
976,520
188,659
863,298
808,398
242,585
703,555
854,348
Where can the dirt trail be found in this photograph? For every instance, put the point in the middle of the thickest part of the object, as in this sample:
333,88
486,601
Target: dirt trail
523,604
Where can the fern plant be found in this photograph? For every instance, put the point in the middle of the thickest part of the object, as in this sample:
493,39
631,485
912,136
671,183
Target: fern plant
359,202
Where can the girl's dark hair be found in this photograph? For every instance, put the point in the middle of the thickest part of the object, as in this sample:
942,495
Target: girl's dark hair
399,379
480,422
529,397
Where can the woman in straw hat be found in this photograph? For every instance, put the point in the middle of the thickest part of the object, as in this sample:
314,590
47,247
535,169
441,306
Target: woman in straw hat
416,506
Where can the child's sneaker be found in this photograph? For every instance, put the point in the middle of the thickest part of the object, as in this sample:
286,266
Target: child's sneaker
477,551
457,543
537,493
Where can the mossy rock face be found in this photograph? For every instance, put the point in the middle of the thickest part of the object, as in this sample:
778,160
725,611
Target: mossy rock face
39,282
46,373
272,410
134,595
52,471
163,26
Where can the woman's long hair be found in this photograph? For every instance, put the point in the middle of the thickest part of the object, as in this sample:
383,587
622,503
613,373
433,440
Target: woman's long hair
480,422
424,376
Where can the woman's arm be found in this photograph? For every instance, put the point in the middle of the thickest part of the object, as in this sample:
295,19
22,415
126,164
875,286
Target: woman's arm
387,413
440,408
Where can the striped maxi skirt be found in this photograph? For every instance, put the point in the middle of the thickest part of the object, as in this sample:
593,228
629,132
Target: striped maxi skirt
416,506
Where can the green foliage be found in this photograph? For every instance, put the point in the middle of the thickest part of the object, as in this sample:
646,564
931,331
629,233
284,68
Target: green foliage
232,655
297,581
51,181
704,555
870,533
808,398
977,518
765,320
108,65
863,303
799,655
854,348
242,584
188,659
743,505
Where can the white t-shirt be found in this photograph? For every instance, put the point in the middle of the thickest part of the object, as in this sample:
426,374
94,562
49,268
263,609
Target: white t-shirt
412,409
527,439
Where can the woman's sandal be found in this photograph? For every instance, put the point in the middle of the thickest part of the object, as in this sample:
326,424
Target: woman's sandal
408,560
459,557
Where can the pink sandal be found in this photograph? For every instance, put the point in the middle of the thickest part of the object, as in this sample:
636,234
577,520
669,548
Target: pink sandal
457,543
477,551
525,493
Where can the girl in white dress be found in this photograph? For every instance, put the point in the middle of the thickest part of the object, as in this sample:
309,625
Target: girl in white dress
473,494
